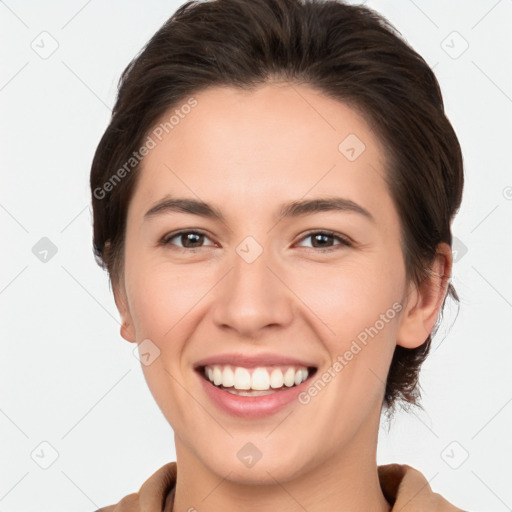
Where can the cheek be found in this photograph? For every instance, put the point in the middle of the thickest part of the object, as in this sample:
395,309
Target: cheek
360,304
163,297
351,296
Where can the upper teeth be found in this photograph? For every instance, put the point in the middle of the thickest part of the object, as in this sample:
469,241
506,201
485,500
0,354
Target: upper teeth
260,379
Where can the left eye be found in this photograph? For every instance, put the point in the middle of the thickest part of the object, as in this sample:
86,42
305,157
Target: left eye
321,236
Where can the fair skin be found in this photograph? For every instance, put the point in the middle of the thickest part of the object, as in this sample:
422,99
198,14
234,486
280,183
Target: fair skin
246,153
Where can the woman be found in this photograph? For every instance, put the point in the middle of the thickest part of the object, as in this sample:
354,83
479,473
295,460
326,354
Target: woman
273,200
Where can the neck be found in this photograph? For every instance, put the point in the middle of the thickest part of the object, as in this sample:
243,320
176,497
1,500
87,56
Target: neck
347,480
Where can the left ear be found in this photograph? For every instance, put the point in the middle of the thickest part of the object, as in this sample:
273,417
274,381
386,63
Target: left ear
425,301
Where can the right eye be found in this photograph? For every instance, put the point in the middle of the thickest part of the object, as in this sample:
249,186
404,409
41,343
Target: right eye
190,239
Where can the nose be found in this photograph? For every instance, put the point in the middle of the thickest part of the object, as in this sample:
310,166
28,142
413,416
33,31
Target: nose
253,297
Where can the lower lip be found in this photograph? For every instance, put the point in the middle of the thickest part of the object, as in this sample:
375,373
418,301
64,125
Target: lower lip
252,406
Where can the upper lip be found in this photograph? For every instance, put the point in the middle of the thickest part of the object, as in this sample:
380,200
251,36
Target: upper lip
253,361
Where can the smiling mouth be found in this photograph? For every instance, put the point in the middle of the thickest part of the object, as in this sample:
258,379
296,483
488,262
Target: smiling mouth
259,381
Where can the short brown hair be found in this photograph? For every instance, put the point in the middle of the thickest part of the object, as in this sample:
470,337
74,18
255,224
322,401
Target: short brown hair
347,52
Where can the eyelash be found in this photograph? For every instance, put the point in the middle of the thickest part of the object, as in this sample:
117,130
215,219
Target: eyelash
166,240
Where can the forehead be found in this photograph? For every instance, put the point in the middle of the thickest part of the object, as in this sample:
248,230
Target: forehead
247,148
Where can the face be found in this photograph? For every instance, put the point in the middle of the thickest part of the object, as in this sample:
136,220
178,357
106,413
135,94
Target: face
322,288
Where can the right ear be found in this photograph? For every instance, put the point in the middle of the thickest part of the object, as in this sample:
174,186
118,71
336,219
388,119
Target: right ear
127,328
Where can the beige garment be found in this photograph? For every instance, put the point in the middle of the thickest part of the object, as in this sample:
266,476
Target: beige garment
403,486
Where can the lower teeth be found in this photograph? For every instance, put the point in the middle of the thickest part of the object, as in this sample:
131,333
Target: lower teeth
249,392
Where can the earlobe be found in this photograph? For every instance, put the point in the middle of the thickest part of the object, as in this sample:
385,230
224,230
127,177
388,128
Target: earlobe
425,301
127,330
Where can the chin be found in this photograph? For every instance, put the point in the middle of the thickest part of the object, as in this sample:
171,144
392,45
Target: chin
265,471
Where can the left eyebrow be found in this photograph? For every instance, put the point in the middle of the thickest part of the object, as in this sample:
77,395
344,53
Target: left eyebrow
327,204
286,210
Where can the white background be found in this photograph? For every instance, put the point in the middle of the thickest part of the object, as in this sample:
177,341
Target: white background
67,377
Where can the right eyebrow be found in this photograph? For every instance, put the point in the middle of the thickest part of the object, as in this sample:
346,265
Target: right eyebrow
184,205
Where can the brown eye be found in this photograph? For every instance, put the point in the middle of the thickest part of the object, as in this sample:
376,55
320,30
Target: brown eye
188,239
321,240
